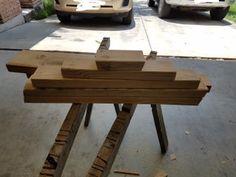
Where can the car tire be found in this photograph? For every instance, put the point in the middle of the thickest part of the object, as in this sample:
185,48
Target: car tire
219,13
163,9
64,18
128,19
151,3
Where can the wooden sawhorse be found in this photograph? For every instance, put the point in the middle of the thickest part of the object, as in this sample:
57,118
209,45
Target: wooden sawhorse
57,156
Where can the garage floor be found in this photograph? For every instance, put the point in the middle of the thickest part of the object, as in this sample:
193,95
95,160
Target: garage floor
28,130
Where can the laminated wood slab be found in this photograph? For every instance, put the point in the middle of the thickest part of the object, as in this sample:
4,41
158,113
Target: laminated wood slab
51,77
30,90
87,69
119,60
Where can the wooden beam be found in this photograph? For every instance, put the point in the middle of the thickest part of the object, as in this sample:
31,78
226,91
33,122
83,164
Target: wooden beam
56,159
107,153
160,126
51,77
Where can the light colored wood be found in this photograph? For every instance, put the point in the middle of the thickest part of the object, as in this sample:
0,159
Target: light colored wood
126,172
51,77
87,69
56,159
30,90
120,60
107,153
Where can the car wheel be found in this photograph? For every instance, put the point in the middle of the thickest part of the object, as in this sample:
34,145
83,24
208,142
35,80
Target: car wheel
151,3
64,18
163,9
128,19
218,13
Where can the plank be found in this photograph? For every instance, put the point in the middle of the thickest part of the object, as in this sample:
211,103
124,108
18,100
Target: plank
51,77
120,60
87,69
27,61
57,156
131,100
107,153
31,90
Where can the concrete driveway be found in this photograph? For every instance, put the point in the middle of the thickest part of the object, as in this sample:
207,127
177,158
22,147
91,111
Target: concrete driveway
185,34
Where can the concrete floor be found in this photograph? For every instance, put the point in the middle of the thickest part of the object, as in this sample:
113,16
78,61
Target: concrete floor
28,130
184,34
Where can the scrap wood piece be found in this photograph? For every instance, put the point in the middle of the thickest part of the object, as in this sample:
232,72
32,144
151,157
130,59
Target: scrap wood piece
87,69
107,153
172,157
51,77
126,172
161,173
56,159
120,60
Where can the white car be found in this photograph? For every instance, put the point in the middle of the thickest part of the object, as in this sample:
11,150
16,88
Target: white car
218,8
122,8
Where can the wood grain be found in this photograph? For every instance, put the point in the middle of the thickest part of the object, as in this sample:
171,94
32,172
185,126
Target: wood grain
51,77
87,69
119,60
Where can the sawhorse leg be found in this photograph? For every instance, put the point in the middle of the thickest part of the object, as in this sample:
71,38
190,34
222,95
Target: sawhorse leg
160,126
89,112
107,153
56,159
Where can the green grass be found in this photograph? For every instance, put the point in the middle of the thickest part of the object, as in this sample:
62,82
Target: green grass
47,11
232,13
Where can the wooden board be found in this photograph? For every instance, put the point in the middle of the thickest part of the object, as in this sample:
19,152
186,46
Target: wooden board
119,60
131,100
27,61
30,90
51,77
87,69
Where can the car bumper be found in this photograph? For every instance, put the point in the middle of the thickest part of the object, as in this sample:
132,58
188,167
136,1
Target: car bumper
194,5
106,9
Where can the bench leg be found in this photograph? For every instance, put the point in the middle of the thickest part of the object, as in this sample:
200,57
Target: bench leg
160,127
107,153
57,156
117,108
88,114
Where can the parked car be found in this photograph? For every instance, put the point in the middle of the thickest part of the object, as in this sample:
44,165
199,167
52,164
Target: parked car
66,8
218,8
